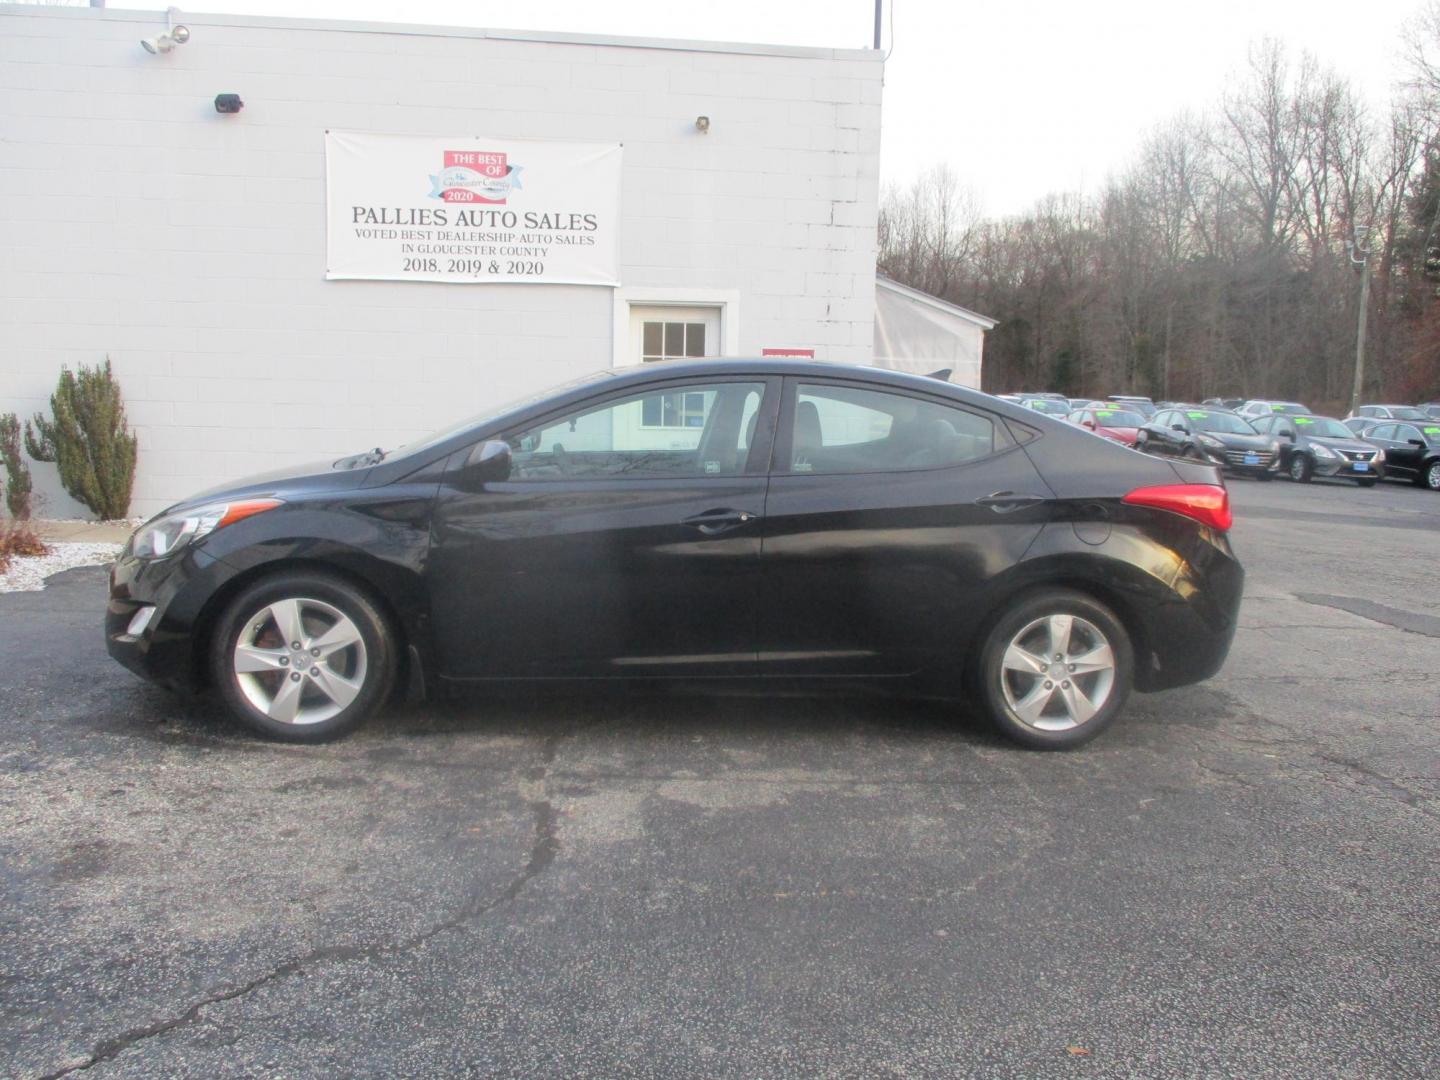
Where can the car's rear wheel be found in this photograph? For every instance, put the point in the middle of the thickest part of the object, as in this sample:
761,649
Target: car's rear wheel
303,656
1300,469
1055,670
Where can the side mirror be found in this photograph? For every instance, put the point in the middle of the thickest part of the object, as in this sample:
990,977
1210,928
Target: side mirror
489,460
1177,427
1417,442
1088,423
1288,435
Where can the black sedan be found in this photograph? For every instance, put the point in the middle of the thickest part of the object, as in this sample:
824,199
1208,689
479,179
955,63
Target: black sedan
1212,435
1319,446
719,520
1412,451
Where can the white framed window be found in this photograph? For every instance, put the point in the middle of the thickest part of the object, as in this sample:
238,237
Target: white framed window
656,324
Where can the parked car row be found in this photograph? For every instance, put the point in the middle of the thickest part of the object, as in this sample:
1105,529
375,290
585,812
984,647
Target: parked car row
1264,438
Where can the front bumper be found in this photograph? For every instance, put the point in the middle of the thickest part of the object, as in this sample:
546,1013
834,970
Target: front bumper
1345,468
1236,463
177,589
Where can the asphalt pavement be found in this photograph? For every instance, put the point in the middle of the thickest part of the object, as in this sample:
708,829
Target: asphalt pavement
1238,880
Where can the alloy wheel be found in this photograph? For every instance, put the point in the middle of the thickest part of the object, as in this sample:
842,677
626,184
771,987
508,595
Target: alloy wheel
300,660
1432,476
1057,672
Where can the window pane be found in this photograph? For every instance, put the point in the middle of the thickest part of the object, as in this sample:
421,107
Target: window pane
842,429
653,333
700,430
694,339
674,339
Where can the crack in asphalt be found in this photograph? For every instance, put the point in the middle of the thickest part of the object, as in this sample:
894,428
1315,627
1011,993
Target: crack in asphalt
543,850
1387,784
1409,621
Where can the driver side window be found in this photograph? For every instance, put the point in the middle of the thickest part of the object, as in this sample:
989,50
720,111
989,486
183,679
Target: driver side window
699,429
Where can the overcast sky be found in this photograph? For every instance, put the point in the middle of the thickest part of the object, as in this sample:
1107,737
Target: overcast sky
1021,97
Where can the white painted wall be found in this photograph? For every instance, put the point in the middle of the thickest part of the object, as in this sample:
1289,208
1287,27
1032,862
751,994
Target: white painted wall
136,222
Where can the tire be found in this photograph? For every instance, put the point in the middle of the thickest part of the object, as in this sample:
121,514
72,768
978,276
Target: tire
341,680
1430,474
1013,690
1301,470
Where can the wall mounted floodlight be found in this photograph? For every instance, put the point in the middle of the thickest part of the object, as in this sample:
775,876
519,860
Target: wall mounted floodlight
228,103
702,124
175,34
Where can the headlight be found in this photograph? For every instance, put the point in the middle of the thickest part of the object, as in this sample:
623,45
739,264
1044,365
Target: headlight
1321,451
1213,444
164,536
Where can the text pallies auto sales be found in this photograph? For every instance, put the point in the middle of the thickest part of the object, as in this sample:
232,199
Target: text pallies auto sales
472,218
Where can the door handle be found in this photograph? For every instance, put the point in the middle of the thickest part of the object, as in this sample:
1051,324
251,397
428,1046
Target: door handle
1007,502
715,522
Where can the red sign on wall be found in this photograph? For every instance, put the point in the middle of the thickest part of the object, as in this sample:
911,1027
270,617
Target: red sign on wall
798,354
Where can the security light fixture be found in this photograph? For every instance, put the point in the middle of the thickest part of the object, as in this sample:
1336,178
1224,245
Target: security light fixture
228,103
702,124
175,34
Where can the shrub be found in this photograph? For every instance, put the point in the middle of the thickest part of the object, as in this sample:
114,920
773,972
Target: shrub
17,538
17,473
89,439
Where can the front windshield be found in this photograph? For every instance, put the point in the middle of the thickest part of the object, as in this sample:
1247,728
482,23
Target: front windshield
435,438
1321,427
1118,418
1223,422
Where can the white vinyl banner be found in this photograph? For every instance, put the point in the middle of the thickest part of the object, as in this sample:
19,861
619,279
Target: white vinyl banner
471,210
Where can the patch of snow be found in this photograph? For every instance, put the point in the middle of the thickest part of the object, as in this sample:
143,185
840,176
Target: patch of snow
27,573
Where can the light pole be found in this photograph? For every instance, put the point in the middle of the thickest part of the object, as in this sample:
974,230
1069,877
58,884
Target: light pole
1359,247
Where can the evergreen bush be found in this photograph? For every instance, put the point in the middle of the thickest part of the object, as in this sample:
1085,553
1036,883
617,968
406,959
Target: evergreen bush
89,439
17,473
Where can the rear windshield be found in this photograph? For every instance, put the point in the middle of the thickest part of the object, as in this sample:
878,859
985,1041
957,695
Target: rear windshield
1406,412
1118,418
1226,423
1045,405
1287,407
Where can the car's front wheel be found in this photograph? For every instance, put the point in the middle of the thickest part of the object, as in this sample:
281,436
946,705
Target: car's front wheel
1431,475
1300,469
303,656
1055,670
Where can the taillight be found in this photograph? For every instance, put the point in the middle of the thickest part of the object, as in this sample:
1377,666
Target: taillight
1208,504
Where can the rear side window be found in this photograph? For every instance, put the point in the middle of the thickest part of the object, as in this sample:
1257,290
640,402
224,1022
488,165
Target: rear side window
1383,431
840,429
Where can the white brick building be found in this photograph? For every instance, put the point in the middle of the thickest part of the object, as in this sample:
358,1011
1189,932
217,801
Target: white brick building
190,246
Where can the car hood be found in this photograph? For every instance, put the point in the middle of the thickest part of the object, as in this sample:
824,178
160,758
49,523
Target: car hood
1239,442
297,480
1355,446
1127,434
